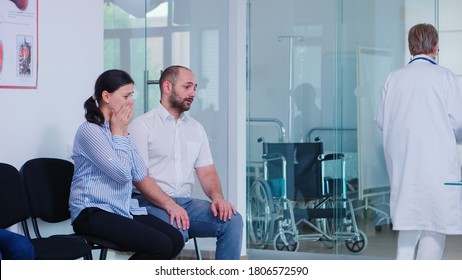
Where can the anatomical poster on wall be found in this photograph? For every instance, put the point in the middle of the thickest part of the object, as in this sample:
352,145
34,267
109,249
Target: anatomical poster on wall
18,43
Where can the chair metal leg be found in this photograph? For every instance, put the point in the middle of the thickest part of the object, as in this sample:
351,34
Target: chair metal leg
103,254
198,251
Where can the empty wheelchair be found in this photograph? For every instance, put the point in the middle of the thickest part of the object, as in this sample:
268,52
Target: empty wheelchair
294,190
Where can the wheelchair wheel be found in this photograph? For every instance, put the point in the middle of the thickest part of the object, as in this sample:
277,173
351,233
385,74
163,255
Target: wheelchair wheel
286,241
260,213
357,244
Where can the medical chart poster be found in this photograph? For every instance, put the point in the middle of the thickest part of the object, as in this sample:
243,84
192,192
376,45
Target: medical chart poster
18,44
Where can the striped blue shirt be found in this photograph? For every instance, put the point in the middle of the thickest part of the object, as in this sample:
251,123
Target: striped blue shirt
105,167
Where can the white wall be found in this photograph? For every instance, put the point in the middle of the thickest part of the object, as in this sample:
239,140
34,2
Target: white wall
42,122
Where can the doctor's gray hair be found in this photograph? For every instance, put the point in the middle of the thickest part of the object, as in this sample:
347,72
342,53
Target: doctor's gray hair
422,39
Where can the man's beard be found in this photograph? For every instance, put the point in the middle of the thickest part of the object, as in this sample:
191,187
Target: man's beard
178,104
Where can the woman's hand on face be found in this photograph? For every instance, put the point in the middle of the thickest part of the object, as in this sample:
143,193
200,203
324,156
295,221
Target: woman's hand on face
119,120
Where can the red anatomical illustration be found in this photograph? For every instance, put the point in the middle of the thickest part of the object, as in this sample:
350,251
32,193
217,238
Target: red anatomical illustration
21,4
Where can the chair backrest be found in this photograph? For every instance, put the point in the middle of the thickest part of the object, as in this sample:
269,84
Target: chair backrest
303,169
47,182
48,185
14,207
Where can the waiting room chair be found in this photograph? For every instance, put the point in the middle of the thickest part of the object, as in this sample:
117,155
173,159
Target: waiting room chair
48,182
48,185
15,208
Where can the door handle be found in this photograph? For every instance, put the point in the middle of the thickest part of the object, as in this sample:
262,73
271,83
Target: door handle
152,82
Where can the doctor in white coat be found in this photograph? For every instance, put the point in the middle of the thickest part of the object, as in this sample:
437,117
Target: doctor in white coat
420,115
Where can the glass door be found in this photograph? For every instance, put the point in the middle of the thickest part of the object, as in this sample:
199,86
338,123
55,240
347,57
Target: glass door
315,70
296,113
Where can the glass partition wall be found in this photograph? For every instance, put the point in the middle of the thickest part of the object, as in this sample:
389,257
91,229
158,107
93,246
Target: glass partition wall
315,73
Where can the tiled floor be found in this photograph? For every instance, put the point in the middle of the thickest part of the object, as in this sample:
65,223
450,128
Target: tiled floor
381,245
381,240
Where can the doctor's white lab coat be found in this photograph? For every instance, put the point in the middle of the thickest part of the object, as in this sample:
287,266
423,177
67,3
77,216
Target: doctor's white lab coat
420,115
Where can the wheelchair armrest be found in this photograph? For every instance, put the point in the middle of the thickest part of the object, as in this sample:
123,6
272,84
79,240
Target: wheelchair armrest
332,156
273,156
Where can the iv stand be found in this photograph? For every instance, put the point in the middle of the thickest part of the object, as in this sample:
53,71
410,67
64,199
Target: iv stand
291,42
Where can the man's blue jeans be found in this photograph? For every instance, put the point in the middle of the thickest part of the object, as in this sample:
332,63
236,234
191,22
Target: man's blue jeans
204,224
14,246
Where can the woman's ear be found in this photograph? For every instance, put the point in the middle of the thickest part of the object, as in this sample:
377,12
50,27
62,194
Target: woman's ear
105,96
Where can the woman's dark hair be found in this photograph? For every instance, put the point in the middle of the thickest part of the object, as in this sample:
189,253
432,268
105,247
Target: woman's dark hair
110,81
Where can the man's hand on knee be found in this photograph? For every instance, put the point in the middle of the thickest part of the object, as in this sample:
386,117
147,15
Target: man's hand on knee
180,216
223,209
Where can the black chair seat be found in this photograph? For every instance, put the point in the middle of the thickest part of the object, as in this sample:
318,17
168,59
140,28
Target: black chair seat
59,248
101,244
97,241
